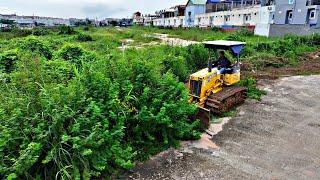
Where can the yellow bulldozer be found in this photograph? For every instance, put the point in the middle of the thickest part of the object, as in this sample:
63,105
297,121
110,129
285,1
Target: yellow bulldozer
211,89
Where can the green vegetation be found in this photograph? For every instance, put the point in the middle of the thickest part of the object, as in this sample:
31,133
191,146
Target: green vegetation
253,91
74,106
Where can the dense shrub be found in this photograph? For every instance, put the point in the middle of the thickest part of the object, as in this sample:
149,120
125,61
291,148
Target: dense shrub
66,30
36,45
215,29
244,32
196,57
72,53
8,61
40,31
234,37
91,124
262,60
84,37
21,32
86,28
253,91
86,114
57,71
177,65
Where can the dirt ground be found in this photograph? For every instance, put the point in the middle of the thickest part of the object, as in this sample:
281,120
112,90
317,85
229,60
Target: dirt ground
277,138
309,64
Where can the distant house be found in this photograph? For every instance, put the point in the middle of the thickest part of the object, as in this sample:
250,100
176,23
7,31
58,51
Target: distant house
291,17
137,18
148,19
124,22
172,17
193,8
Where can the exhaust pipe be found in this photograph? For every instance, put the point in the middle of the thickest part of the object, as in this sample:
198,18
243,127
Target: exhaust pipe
209,63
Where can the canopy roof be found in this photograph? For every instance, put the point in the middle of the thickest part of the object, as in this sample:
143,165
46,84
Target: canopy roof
234,46
197,2
218,1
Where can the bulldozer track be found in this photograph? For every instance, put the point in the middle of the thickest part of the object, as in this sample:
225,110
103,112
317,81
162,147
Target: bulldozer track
224,100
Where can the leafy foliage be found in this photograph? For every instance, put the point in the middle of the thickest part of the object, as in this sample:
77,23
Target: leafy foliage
35,45
67,30
84,37
40,31
82,115
8,61
196,57
75,54
253,91
81,112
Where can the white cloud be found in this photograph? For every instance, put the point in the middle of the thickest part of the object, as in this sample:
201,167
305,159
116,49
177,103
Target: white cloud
85,8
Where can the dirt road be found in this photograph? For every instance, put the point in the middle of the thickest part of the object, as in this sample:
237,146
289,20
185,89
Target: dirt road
277,138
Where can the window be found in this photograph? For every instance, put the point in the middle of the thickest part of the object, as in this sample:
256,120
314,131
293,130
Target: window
248,17
289,17
312,14
290,14
227,18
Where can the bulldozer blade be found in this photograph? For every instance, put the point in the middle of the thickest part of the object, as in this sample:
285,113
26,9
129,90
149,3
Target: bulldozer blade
204,116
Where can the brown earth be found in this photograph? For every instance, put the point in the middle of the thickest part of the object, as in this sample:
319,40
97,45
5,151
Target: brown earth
309,64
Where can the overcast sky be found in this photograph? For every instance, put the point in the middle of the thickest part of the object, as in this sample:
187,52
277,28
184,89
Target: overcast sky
84,8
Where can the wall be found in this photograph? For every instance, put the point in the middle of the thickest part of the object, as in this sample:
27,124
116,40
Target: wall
236,17
195,10
266,15
298,8
170,22
277,30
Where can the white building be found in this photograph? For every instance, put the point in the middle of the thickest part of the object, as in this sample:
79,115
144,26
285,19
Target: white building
32,21
266,18
247,16
172,17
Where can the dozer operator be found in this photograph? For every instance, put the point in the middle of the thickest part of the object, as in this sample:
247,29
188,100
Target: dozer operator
223,63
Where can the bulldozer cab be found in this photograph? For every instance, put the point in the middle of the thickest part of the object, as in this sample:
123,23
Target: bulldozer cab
235,47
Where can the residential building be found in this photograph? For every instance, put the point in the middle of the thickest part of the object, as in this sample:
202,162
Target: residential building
33,21
172,17
299,17
148,19
137,18
243,16
193,8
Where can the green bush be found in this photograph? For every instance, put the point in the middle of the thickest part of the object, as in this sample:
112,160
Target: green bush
40,32
215,29
8,61
234,37
196,57
107,116
57,71
21,32
72,53
263,59
86,28
66,30
84,37
36,45
177,65
93,110
244,32
253,91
